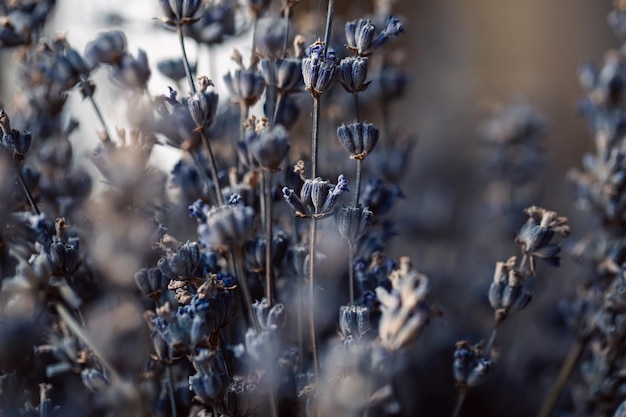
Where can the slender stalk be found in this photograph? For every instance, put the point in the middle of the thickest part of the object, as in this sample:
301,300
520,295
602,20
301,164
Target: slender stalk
286,38
329,24
312,241
299,322
351,270
273,406
572,359
356,106
255,24
359,172
170,389
181,40
87,91
491,340
269,238
213,168
460,401
27,192
243,280
244,111
314,135
279,102
80,333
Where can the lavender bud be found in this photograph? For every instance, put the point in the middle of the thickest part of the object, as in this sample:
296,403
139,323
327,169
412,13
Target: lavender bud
358,138
245,85
294,201
202,107
108,48
510,295
270,147
352,74
174,69
523,300
353,321
288,75
276,318
94,380
359,35
23,142
479,373
132,73
141,280
320,190
463,358
496,292
209,388
319,72
227,226
353,222
336,191
261,310
179,10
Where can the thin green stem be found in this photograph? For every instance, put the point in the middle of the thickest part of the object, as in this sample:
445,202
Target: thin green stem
462,395
181,40
170,389
269,238
351,270
312,244
571,361
315,135
213,168
87,91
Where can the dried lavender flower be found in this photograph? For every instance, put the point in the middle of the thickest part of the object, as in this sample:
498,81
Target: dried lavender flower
352,74
108,48
361,34
245,85
404,309
354,321
353,222
179,12
358,138
535,237
319,71
203,104
268,145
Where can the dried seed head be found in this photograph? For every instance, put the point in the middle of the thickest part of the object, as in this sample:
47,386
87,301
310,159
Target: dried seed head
353,321
319,71
358,138
361,38
353,222
269,146
203,104
245,85
227,226
132,73
179,11
108,48
352,74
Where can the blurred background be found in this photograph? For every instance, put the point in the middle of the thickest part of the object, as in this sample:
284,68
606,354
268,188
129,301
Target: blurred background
465,57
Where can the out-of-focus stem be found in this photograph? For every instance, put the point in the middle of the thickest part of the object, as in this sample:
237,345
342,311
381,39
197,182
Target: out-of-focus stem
329,24
27,192
269,238
286,38
314,135
312,244
170,389
462,395
571,361
243,280
87,91
181,40
80,333
351,270
213,168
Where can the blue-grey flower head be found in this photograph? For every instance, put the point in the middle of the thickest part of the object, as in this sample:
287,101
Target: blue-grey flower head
319,70
179,12
108,48
361,35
